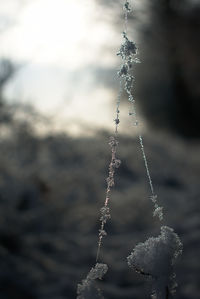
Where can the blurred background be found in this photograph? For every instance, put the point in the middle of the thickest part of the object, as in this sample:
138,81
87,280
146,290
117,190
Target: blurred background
58,87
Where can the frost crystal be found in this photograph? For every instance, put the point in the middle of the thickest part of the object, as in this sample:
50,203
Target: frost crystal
128,85
87,289
123,71
113,141
102,233
156,258
127,49
153,198
117,121
158,212
105,214
116,163
127,7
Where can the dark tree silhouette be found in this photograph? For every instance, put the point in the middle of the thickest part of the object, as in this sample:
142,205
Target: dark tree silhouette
7,70
168,79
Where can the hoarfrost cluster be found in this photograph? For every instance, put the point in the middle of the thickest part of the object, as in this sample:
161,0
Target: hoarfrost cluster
156,258
88,289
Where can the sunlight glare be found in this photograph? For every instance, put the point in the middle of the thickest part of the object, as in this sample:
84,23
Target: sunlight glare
47,27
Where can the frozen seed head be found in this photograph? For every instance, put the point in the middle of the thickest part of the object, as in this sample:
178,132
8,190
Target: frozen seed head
127,49
157,255
156,258
87,289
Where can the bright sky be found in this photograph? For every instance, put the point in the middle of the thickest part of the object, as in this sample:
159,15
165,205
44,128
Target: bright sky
61,43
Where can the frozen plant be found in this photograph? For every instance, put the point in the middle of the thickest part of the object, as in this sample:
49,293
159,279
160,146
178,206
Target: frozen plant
127,49
88,288
155,258
105,210
128,52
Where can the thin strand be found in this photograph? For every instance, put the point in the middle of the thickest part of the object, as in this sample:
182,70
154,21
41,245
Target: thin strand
140,137
128,52
146,164
114,163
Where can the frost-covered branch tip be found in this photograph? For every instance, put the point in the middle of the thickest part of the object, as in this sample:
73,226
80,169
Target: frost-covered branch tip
88,290
105,211
128,49
156,258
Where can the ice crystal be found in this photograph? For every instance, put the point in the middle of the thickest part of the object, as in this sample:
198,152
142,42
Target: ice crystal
127,7
153,198
128,85
123,71
158,212
87,289
102,233
105,214
131,113
136,123
131,99
113,141
117,121
110,181
127,49
156,258
116,163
